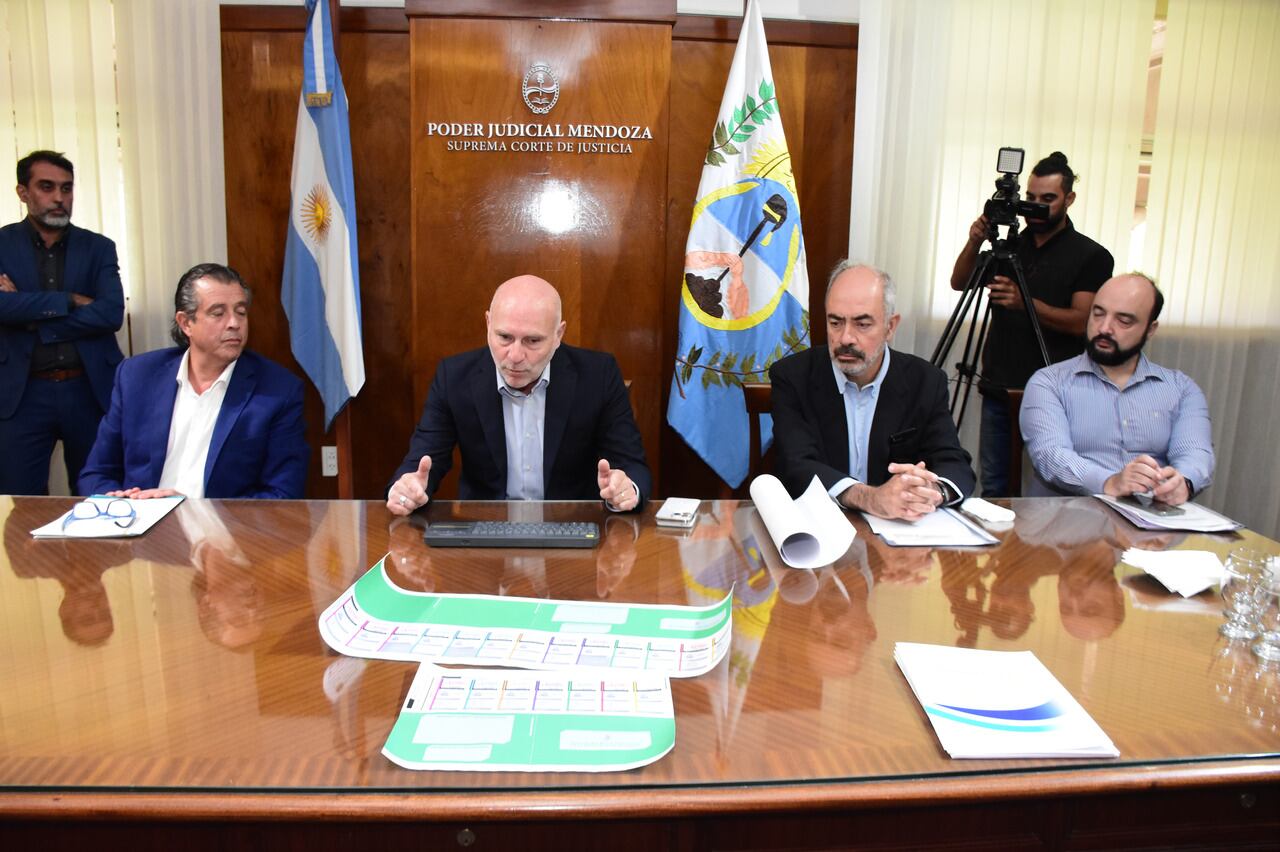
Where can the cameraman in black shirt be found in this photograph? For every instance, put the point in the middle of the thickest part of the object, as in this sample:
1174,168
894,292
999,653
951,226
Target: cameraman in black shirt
1063,269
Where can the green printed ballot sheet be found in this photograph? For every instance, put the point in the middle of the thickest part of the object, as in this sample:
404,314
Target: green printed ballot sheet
377,619
581,720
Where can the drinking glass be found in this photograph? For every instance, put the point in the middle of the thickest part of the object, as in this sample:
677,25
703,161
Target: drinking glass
1268,619
1241,592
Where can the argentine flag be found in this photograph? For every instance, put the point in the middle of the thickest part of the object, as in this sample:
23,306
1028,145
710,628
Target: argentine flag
321,288
745,294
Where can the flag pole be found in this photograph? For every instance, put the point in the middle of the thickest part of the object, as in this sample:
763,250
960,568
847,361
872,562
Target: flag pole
342,422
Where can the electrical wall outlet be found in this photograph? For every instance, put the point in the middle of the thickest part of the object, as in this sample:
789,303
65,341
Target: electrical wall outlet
329,461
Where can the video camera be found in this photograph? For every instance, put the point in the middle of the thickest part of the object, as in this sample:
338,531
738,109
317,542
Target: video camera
1006,206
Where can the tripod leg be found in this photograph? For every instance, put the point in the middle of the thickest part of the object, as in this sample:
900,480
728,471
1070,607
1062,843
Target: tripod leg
968,385
972,290
1030,308
966,368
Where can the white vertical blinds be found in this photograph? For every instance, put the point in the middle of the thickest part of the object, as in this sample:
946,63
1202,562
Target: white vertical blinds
170,80
60,94
1212,238
132,93
942,86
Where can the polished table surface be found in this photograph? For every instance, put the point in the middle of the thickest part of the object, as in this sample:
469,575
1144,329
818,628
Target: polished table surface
182,670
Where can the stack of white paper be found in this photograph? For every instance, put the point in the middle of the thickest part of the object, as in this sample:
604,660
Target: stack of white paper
943,528
1187,572
990,704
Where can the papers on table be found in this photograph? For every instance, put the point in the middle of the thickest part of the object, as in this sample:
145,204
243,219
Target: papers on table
998,704
809,532
532,721
1187,572
107,524
1145,592
597,696
1192,518
379,620
943,528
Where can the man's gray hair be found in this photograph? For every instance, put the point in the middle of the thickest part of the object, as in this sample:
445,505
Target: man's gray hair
184,298
889,289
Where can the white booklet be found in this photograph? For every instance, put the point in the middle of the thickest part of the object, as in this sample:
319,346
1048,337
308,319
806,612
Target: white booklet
998,704
810,531
108,517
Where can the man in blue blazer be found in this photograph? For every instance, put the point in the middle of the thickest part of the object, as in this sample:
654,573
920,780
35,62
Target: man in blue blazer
535,420
60,306
208,418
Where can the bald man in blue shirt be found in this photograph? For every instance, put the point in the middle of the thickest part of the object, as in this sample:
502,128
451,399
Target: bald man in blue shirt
1110,421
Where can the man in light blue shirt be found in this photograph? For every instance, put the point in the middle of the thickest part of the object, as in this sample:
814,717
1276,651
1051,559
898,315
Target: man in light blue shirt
1110,421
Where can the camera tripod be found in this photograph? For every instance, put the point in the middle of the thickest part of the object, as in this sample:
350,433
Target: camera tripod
1001,251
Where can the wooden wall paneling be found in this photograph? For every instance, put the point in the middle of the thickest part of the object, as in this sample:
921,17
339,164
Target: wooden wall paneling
816,85
261,80
590,223
383,415
645,11
261,56
618,264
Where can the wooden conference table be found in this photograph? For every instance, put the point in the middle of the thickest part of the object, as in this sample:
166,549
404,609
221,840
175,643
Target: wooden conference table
172,691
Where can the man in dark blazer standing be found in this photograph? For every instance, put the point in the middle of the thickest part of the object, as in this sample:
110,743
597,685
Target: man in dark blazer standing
871,423
535,419
61,304
208,418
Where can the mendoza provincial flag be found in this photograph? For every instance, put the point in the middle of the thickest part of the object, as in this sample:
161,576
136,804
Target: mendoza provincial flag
321,289
745,295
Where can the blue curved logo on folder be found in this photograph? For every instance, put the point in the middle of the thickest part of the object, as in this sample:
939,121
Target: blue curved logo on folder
986,718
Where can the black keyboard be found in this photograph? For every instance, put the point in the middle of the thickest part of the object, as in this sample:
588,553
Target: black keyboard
511,534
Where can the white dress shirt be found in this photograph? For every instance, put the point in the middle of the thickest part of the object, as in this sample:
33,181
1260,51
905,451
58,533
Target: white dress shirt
191,430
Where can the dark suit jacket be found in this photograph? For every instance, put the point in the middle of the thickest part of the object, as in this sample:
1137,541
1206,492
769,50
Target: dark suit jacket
33,314
258,447
588,418
912,423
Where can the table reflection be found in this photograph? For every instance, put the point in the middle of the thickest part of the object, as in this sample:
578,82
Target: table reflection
200,637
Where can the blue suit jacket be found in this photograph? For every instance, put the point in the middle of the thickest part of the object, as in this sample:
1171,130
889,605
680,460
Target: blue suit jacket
258,448
33,314
588,418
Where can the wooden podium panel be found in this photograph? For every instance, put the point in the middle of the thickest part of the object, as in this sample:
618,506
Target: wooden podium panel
588,215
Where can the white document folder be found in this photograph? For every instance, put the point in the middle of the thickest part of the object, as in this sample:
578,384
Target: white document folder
998,704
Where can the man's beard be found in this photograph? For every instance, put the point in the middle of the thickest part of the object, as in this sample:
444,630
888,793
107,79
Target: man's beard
1047,225
51,219
852,371
1115,356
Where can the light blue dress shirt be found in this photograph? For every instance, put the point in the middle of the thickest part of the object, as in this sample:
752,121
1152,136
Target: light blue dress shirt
524,417
1079,428
859,411
524,420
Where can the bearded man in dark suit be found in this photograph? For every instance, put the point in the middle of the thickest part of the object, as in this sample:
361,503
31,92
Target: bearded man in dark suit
870,422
